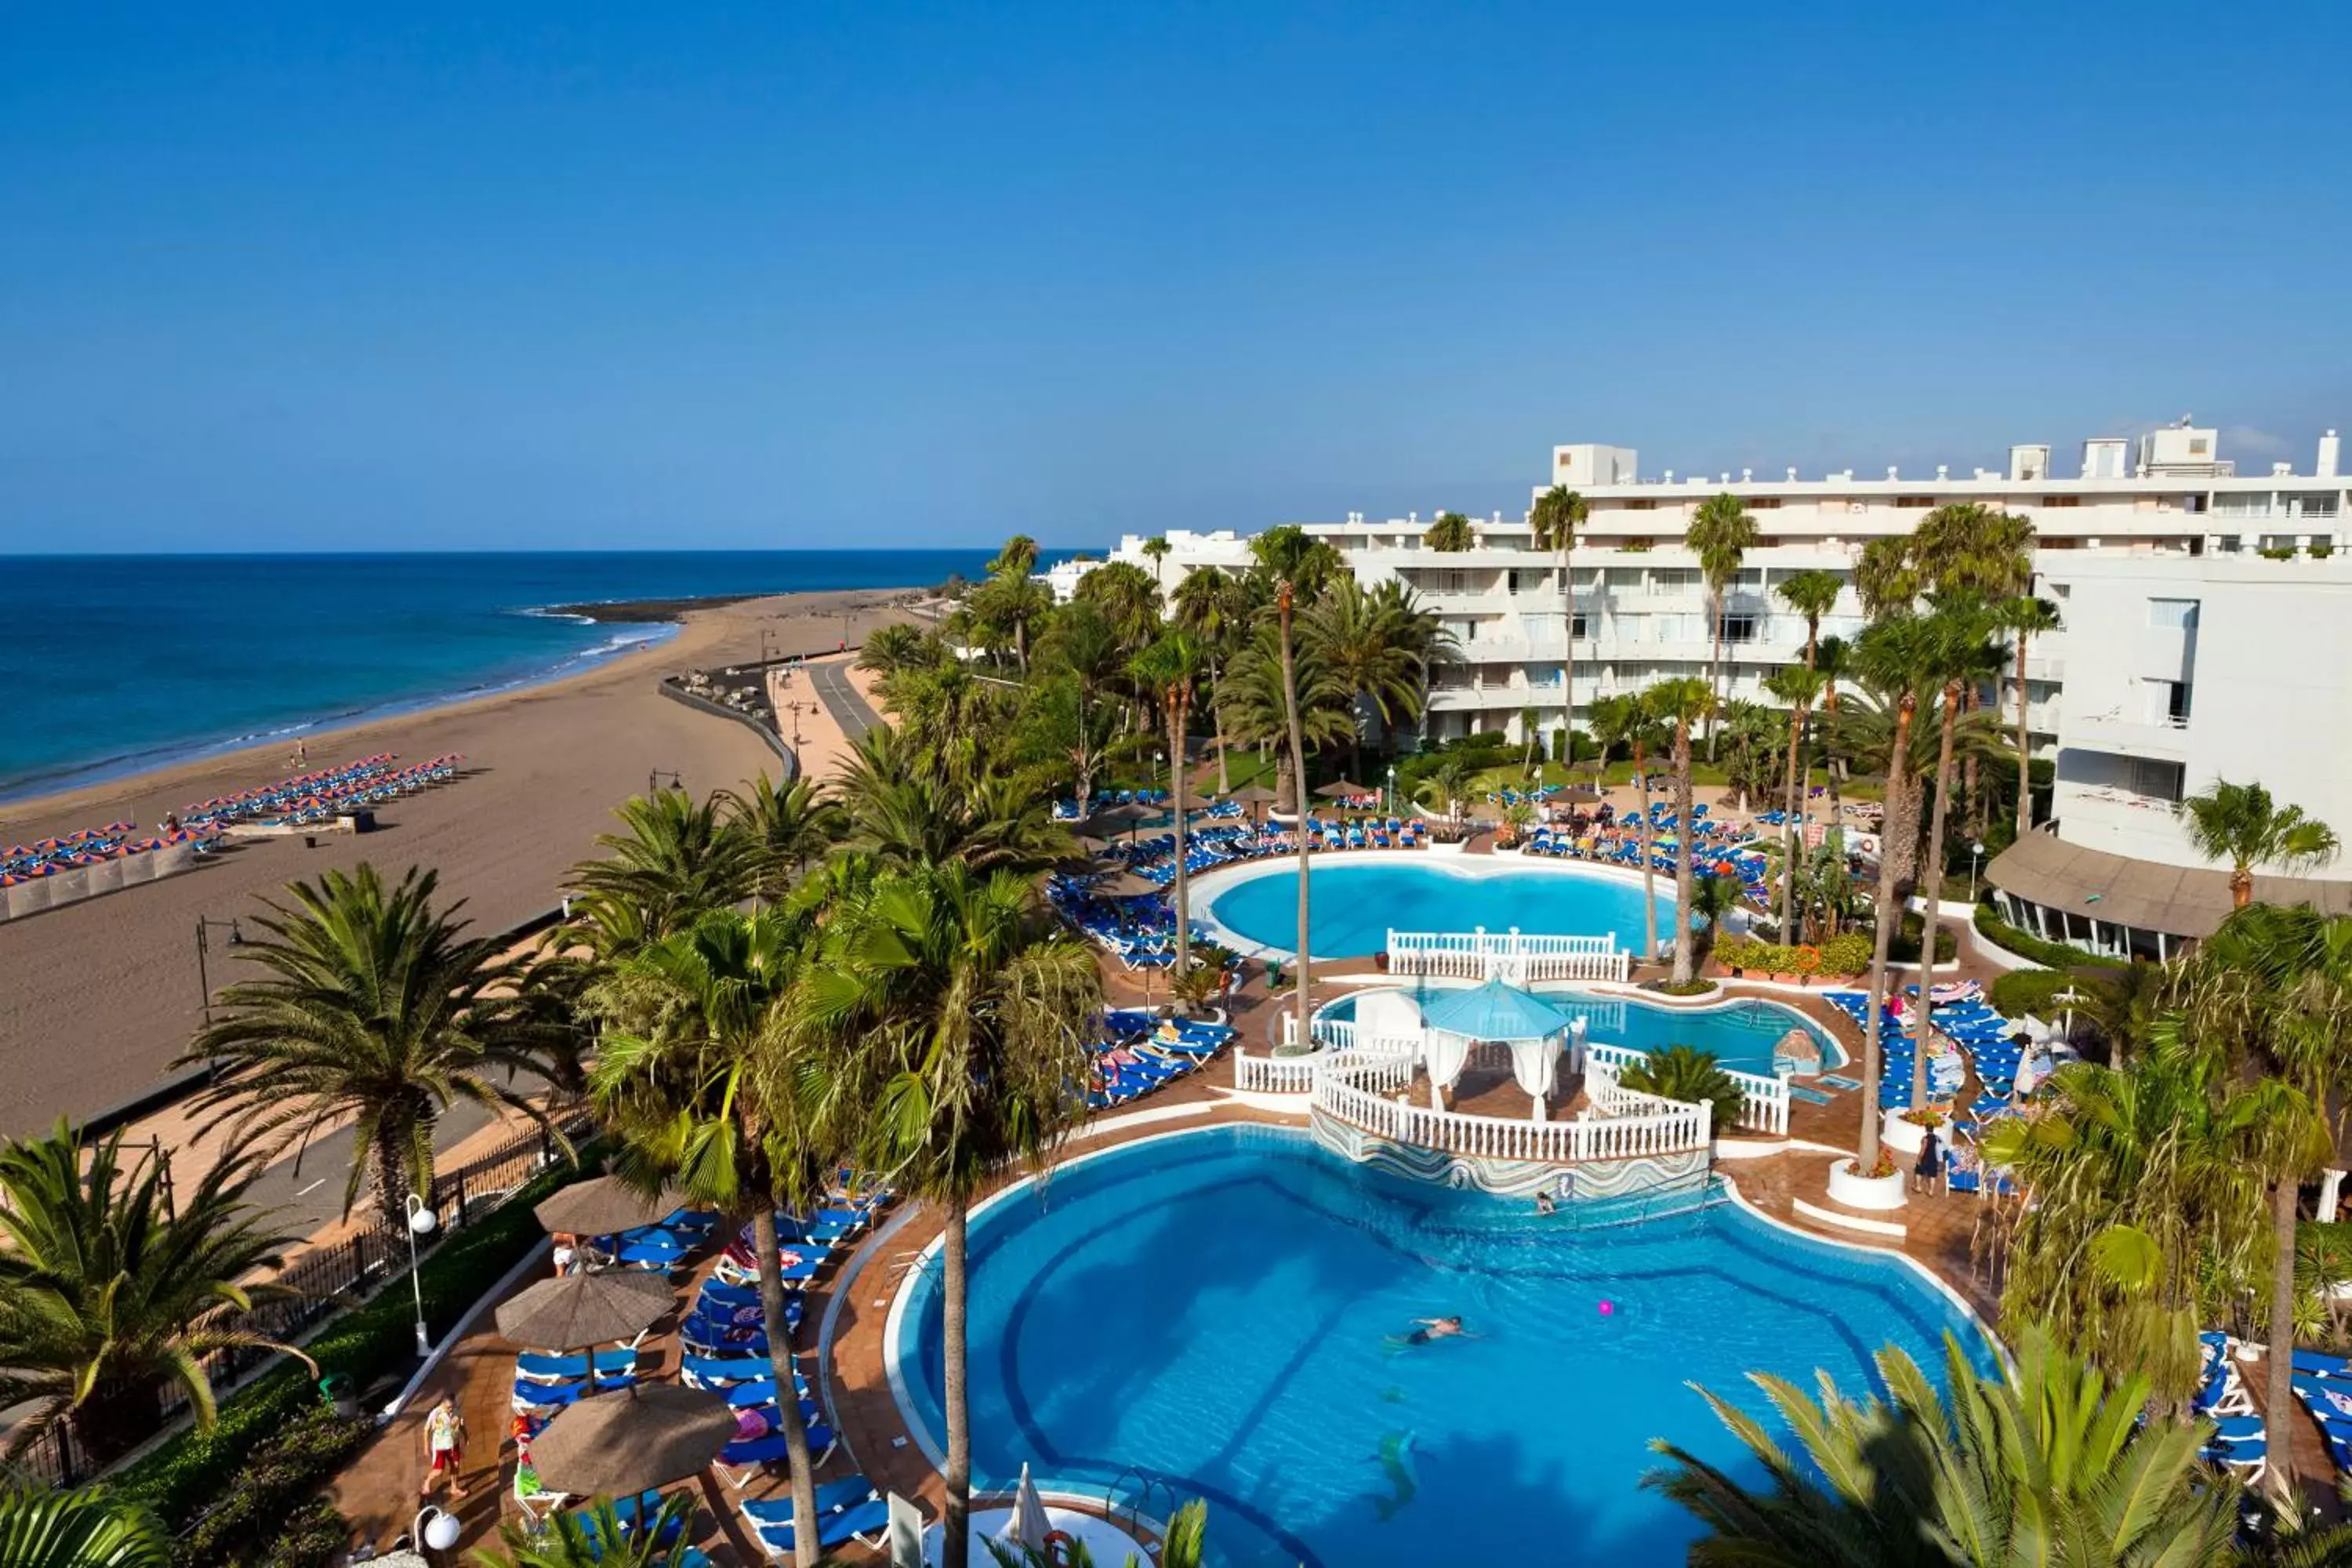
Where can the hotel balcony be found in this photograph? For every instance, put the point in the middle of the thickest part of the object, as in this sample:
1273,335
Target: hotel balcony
2166,739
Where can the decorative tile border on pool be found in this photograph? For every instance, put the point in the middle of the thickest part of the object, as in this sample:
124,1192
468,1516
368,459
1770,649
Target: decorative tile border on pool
1505,1178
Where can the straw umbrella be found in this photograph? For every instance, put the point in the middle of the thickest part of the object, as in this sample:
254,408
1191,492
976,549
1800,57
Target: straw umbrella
655,1434
1257,795
602,1207
577,1311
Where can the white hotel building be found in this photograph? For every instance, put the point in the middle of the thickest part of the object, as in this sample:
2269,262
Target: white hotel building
2186,653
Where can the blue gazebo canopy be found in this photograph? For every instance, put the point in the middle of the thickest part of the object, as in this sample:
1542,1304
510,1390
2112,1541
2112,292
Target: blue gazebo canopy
1494,1012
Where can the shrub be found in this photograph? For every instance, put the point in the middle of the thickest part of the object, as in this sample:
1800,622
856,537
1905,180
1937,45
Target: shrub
2030,991
1848,953
2277,552
1691,1076
2320,549
280,1475
2025,944
1905,947
313,1536
1559,752
1693,988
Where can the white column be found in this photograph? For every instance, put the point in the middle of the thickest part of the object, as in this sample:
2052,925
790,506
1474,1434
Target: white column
2331,1186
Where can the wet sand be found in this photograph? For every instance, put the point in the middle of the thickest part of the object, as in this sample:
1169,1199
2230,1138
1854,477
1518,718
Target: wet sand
98,998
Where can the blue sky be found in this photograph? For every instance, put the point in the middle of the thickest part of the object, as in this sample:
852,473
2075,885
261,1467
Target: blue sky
441,276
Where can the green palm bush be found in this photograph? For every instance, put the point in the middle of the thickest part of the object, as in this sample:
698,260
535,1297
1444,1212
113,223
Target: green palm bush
587,1537
677,858
85,1529
1688,1074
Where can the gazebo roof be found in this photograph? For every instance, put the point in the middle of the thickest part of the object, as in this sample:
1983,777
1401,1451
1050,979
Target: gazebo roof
1495,1011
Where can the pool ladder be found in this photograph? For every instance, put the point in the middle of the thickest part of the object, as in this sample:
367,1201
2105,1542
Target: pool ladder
1140,1519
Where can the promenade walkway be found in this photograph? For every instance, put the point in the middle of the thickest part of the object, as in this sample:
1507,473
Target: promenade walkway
832,684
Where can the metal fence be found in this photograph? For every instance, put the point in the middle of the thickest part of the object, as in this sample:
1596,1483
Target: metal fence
328,1279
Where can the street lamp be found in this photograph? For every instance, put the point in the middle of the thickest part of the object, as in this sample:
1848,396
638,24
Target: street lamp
1388,801
1976,853
205,925
655,776
436,1528
421,1221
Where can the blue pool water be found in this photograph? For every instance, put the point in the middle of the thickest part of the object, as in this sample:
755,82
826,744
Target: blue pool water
1353,904
1216,1307
1739,1034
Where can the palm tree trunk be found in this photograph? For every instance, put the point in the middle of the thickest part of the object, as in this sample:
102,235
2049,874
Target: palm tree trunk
1649,873
788,1402
1176,793
1684,943
955,1528
2242,885
2024,756
1886,918
1935,892
1835,833
1567,665
2280,1394
1714,673
1796,834
390,1174
1298,774
1217,712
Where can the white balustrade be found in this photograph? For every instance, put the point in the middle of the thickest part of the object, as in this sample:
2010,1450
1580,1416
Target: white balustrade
1476,955
1764,1108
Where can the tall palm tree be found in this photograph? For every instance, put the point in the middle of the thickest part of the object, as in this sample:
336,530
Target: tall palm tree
1887,578
1451,533
1128,600
1006,609
110,1288
786,828
956,1006
1258,703
1626,722
1017,559
1155,549
904,809
1296,724
1833,659
1214,609
85,1529
1959,653
2026,617
2242,825
1967,547
1812,594
374,1009
1721,533
701,1076
1171,667
891,648
677,858
1798,686
1286,554
1379,644
2050,1462
1683,702
1560,514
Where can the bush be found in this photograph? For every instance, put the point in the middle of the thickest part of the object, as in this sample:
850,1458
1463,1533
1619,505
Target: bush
2277,551
313,1536
2320,549
1847,954
2031,990
1905,947
2025,944
1692,987
368,1343
1559,752
266,1496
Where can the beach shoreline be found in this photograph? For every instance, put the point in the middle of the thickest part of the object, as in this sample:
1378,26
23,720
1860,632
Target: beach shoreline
98,998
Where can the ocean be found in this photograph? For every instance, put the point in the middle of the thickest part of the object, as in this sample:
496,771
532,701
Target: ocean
112,665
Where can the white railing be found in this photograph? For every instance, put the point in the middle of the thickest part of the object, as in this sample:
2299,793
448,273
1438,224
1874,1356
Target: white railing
1681,1128
1274,1075
1476,955
1379,1062
1764,1108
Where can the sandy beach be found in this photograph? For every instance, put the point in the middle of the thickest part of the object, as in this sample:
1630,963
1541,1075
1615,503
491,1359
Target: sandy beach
98,998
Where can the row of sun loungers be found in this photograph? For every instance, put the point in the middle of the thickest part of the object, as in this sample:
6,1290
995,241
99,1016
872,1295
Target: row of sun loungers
313,797
89,847
1140,1053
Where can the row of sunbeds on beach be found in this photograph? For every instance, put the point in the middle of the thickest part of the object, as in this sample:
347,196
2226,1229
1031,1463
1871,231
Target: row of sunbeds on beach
312,797
87,846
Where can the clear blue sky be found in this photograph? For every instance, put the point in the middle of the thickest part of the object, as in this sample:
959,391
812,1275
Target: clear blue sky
782,274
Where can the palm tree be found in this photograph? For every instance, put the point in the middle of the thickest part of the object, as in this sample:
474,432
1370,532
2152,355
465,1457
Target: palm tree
1451,533
1721,533
1171,667
1128,598
1258,703
1626,722
1155,549
2000,1470
904,809
1379,645
1301,984
1798,686
1073,738
1886,578
956,1006
701,1075
1712,897
677,857
1967,547
1691,1076
1812,594
85,1529
786,828
2025,618
377,1010
1017,559
1213,609
1286,554
1833,660
2240,824
891,648
1003,609
111,1286
1448,786
1558,516
595,1537
1681,703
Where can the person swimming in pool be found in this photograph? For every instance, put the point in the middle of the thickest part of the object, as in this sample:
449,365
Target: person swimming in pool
1426,1331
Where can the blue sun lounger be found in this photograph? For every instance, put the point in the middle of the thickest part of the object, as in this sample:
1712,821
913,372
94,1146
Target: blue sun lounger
863,1523
532,1366
557,1395
751,1455
832,1496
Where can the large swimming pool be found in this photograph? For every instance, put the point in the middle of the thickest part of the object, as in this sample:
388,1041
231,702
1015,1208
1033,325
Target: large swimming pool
1354,903
1741,1034
1217,1307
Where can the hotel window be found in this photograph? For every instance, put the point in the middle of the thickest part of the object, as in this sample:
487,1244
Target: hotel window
2172,614
1739,628
2159,780
1645,504
1762,503
2062,500
1915,501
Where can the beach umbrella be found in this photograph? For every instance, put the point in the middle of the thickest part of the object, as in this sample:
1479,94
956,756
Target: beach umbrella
1113,819
1253,795
1341,789
601,1207
583,1309
1027,1529
649,1436
1580,795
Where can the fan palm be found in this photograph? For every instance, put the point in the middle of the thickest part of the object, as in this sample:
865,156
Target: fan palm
1886,577
677,857
110,1288
1681,703
593,1536
1721,533
1006,609
1171,667
1558,515
87,1529
1017,559
2025,617
1627,722
891,648
1128,598
1967,547
1688,1074
1155,549
2242,825
377,1009
2050,1462
786,828
1812,594
1451,535
1286,554
1379,645
702,1079
955,1006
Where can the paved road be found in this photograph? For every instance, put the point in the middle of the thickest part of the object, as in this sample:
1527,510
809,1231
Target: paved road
849,710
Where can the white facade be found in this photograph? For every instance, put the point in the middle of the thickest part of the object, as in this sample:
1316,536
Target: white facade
1187,550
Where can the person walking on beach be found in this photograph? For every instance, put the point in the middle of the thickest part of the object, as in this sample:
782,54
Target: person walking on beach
444,1449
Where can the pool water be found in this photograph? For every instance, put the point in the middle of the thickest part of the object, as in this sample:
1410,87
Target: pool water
1740,1034
1218,1307
1353,904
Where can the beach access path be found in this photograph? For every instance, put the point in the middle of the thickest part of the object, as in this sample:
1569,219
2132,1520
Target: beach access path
96,1000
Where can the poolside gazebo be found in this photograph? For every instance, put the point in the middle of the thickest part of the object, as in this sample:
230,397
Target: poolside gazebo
1530,1025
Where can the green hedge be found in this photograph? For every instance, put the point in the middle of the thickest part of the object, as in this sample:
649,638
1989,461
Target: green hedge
1841,957
268,1511
1905,947
194,1470
2031,990
2025,944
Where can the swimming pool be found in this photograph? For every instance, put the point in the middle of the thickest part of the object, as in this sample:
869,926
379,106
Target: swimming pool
1216,1306
1355,902
1741,1033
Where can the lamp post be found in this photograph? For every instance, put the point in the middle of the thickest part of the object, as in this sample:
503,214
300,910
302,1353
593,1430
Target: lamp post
205,926
1388,800
766,637
655,776
435,1530
1976,853
421,1221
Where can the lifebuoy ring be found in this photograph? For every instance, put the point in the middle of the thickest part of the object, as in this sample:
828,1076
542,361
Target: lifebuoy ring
1059,1544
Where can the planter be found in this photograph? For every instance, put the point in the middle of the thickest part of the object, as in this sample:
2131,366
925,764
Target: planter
1860,1192
1903,1136
1784,979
